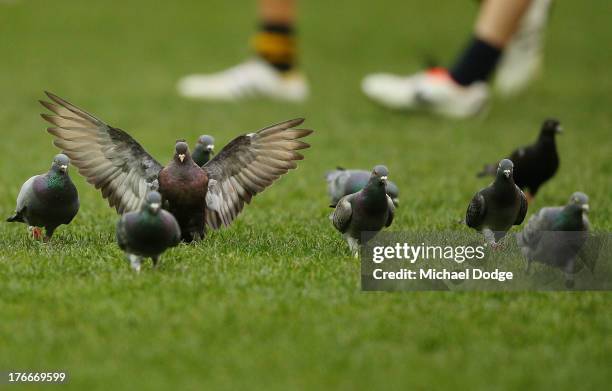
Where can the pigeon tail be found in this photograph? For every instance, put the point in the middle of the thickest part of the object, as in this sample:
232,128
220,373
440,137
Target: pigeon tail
15,218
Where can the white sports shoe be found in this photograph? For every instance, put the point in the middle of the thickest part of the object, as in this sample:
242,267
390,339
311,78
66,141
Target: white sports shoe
253,78
432,90
522,58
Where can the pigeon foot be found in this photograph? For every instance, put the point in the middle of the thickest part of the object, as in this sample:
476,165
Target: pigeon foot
36,233
497,246
135,262
528,267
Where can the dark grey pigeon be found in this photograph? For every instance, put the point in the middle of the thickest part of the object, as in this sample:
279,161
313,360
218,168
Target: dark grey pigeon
342,182
212,195
555,235
148,232
497,207
47,200
536,163
204,150
368,210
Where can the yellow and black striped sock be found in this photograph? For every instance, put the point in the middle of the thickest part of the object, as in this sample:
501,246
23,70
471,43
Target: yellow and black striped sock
276,44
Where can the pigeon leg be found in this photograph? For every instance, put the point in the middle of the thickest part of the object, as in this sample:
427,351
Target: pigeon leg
528,267
489,237
135,262
48,233
498,245
569,274
36,232
155,260
353,246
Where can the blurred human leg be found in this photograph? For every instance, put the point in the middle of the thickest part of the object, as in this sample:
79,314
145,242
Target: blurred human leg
522,58
275,41
462,91
272,72
496,23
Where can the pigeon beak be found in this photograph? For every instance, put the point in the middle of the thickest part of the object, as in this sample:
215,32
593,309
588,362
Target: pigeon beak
155,207
383,178
507,173
585,207
210,147
64,167
559,129
181,157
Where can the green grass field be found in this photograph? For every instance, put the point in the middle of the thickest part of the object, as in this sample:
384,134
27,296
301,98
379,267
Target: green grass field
274,302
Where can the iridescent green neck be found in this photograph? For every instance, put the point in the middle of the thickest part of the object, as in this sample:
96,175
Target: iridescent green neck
569,217
56,180
149,217
374,193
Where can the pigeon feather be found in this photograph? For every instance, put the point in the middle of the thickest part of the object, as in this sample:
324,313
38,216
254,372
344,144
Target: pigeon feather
109,158
249,164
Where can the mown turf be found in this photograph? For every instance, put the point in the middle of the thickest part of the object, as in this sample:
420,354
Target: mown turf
274,302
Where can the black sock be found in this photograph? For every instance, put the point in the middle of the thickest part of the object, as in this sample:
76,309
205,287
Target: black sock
476,63
275,44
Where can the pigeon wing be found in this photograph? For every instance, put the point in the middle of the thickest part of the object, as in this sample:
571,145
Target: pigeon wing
172,226
24,194
341,218
109,158
586,224
120,233
476,211
523,209
391,207
247,165
538,224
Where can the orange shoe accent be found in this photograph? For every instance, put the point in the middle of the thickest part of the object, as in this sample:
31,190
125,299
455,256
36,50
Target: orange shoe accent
439,73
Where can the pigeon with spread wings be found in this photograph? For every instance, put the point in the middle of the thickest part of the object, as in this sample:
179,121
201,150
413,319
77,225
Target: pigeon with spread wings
213,195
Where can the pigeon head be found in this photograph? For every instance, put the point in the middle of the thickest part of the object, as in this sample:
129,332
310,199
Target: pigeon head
379,175
60,163
153,202
550,127
208,142
181,152
579,202
505,169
